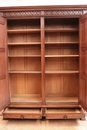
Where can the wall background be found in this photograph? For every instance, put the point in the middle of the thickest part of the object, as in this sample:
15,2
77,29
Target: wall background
41,2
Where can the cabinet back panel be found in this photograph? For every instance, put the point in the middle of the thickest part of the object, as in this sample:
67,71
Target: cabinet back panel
16,50
32,64
53,84
61,49
61,37
13,38
33,37
25,50
61,23
30,37
16,64
25,85
62,85
33,50
61,63
24,24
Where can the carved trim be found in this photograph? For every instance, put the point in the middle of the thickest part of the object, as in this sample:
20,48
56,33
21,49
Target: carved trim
21,13
43,13
84,11
63,12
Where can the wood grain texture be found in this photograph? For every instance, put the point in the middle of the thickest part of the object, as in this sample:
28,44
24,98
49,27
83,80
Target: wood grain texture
4,90
22,114
43,62
83,62
64,114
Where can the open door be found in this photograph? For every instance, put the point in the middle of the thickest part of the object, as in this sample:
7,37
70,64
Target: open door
83,62
4,91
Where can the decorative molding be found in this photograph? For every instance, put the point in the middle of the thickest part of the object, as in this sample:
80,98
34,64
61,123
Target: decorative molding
84,11
63,12
37,13
21,13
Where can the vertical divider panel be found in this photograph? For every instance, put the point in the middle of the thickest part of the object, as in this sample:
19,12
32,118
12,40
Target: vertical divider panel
42,61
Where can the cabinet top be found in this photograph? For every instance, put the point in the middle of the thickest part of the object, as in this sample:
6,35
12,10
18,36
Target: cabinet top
43,11
50,7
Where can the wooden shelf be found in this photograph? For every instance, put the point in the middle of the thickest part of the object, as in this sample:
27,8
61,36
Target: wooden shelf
61,42
26,43
24,72
24,56
39,43
26,99
61,72
49,56
61,99
62,30
23,31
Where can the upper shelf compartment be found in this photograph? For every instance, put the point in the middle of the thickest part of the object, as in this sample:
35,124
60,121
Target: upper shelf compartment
24,26
24,32
61,25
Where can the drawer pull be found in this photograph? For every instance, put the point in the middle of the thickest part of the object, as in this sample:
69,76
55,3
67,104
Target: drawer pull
22,117
65,117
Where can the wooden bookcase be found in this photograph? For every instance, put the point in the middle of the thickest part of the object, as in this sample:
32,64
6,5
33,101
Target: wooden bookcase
43,62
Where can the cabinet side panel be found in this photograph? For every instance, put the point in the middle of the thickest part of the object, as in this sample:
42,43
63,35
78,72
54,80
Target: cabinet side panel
4,91
83,62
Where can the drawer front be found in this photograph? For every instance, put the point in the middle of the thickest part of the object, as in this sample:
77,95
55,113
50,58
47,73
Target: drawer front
22,114
64,114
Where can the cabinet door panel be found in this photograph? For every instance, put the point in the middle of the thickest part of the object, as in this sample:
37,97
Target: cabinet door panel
83,62
4,92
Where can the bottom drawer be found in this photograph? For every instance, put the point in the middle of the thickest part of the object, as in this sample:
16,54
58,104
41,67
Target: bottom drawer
10,113
65,113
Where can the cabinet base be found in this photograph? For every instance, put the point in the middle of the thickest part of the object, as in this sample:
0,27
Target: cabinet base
49,113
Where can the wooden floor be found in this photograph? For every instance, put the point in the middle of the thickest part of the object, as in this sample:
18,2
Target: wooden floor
42,124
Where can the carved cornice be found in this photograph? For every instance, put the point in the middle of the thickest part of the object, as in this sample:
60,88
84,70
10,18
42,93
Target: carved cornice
21,13
84,11
37,13
64,12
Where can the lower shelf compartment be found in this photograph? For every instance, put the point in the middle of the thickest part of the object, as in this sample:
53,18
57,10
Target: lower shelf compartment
65,113
10,113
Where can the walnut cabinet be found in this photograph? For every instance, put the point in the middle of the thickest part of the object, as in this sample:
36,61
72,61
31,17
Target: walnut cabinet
43,62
